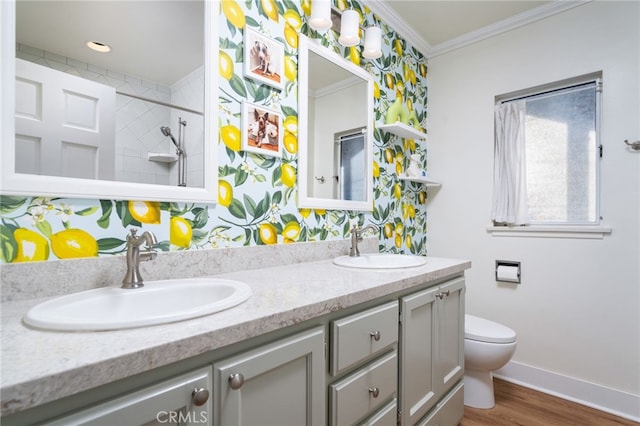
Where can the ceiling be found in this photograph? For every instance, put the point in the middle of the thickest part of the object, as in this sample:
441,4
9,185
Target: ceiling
160,41
437,26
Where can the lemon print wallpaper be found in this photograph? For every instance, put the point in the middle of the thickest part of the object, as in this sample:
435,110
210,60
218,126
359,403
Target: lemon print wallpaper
256,194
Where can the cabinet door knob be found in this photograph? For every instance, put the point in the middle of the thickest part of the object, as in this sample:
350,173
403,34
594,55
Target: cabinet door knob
443,294
236,381
374,392
375,335
199,396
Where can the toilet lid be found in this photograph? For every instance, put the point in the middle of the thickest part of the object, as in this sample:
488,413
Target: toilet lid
483,330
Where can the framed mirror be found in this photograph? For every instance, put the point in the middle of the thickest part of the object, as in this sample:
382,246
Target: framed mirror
335,134
137,122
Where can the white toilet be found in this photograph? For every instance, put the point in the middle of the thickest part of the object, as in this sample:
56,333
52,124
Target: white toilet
488,346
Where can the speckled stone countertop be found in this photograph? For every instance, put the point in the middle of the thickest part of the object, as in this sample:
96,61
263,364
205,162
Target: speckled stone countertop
42,366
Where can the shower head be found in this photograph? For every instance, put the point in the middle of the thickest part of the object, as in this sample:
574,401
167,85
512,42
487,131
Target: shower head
167,132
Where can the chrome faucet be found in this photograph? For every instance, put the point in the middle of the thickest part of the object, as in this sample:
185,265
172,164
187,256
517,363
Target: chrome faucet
356,237
132,278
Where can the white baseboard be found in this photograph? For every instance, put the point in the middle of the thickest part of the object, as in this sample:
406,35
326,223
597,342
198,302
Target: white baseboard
619,403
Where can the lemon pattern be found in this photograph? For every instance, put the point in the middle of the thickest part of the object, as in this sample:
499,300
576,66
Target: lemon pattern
256,194
74,243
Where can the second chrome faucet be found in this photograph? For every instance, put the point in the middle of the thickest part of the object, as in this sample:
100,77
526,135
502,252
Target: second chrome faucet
132,278
356,237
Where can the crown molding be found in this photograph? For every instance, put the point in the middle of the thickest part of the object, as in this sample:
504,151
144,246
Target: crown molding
505,25
401,26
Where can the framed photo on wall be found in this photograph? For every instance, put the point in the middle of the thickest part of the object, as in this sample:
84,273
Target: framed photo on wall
263,59
261,130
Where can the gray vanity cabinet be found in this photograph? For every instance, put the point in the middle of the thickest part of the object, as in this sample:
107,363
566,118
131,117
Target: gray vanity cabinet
281,383
183,400
431,352
396,360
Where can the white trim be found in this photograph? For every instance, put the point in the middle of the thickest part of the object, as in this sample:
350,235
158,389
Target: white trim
12,183
616,402
401,26
549,231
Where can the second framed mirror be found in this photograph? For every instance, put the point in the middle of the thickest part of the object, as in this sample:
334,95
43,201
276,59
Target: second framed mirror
335,166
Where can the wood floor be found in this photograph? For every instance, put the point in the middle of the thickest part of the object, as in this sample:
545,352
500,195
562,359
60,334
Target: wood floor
520,406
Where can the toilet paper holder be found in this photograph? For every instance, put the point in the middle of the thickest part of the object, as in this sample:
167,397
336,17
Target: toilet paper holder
508,271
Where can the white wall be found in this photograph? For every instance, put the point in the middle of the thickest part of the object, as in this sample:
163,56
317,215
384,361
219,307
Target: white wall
577,311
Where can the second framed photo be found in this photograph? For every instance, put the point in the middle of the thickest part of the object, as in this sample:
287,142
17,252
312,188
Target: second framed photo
261,130
263,59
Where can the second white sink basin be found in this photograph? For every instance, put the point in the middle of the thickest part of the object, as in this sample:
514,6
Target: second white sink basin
380,261
158,302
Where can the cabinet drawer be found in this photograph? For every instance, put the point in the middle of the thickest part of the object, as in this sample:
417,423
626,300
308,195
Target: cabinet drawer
361,394
358,336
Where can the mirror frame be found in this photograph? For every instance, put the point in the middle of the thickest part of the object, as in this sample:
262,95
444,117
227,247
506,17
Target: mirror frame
305,169
12,183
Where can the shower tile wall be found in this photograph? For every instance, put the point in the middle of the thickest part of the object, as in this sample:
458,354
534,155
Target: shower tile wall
137,122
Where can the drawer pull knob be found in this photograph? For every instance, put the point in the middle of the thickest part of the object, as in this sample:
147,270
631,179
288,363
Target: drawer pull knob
236,381
374,392
375,335
199,396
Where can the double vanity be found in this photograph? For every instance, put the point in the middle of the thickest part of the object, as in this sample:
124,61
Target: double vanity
315,343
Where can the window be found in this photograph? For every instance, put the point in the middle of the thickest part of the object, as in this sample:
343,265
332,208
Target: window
350,155
547,155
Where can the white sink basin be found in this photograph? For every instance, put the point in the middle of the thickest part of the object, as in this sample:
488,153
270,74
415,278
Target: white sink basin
380,261
158,302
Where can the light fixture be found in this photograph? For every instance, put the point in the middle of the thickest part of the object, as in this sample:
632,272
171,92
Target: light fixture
372,43
349,28
99,47
320,19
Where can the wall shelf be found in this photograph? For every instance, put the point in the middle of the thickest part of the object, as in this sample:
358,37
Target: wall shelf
162,157
403,130
420,179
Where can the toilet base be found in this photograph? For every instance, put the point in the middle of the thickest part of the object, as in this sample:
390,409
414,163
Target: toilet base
478,389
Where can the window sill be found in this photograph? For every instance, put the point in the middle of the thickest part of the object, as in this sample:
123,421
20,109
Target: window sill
555,231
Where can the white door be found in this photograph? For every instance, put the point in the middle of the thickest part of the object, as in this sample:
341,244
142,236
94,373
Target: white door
65,125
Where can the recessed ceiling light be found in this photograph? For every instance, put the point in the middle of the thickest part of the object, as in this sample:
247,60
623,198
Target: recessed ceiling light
99,47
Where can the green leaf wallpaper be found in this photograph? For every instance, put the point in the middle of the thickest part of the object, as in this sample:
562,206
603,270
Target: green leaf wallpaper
256,193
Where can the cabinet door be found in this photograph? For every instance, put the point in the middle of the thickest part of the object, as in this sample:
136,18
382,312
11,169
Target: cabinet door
450,335
449,410
418,382
278,384
172,402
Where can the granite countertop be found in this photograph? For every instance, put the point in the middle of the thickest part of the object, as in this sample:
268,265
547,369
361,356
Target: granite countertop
42,366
